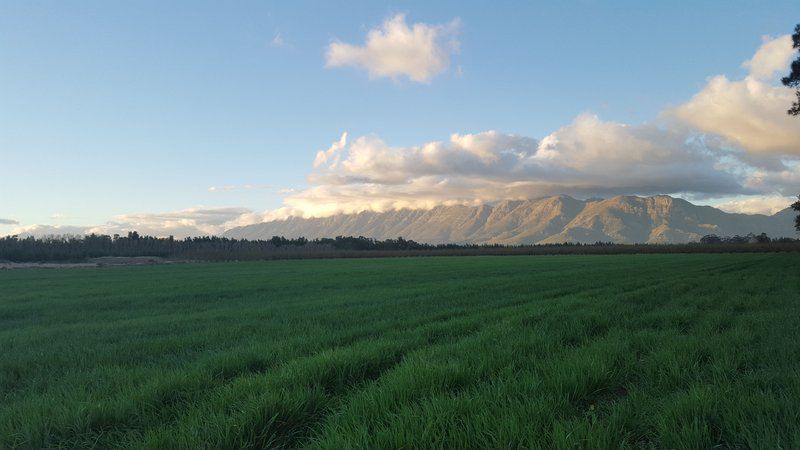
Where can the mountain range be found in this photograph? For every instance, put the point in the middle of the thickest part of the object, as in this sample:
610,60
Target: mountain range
556,219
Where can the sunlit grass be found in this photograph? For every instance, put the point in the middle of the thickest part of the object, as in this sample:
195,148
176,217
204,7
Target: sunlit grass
661,351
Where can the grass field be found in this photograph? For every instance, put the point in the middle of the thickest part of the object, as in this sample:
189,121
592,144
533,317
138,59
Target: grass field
640,351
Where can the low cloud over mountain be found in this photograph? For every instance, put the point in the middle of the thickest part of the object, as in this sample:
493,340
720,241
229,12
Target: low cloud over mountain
556,219
187,222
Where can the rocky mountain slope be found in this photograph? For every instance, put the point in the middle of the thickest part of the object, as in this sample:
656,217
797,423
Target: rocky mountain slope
623,219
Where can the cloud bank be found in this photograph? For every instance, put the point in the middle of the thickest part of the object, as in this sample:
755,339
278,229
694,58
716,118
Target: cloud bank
588,157
757,205
183,223
418,52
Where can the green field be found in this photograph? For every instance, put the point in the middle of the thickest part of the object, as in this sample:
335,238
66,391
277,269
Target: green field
640,351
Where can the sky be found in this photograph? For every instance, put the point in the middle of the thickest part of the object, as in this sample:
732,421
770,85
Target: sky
188,118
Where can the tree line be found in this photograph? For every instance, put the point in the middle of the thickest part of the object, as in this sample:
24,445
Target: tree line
213,248
77,248
746,239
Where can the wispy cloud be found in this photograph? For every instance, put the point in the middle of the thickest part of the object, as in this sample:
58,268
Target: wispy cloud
241,187
8,222
278,41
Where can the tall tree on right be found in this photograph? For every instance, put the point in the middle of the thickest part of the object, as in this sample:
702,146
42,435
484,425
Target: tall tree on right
793,80
796,207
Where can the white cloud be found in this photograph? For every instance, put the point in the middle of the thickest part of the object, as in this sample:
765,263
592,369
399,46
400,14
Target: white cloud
756,205
418,52
8,222
749,113
773,56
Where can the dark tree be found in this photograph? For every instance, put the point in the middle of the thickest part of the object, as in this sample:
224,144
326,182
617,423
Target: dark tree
711,239
793,80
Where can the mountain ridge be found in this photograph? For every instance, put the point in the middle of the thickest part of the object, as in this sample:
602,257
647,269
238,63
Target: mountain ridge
554,219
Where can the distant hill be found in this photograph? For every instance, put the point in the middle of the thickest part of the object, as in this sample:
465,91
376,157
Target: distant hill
622,219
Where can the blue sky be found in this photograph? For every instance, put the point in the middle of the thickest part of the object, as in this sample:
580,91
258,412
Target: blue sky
113,108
